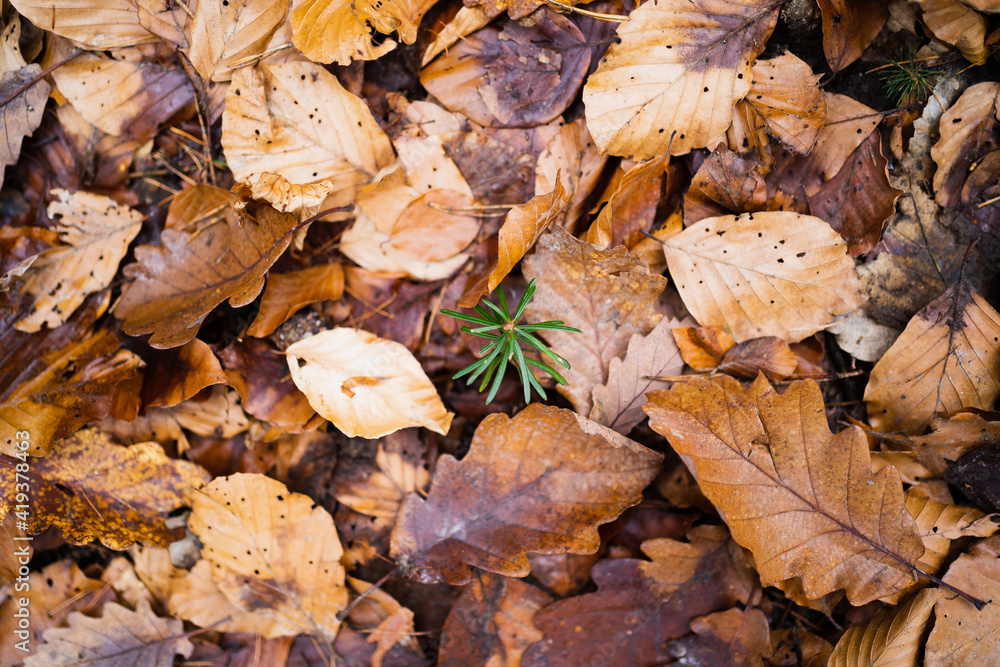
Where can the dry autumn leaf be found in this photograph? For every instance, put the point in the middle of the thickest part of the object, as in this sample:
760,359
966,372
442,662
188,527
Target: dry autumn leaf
764,274
849,26
732,637
954,23
178,374
632,206
787,501
224,32
947,358
724,183
100,24
939,524
379,487
968,131
891,637
686,80
275,553
702,347
93,489
286,293
486,510
22,113
366,385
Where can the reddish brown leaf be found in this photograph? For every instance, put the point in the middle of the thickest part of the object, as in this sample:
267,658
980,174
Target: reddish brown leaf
770,356
968,131
176,375
849,26
724,183
702,348
287,293
631,206
731,638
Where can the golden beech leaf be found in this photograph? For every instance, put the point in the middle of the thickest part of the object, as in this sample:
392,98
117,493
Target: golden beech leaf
296,120
947,358
764,274
849,26
421,232
366,385
803,500
954,23
98,24
11,58
572,156
21,115
178,283
96,233
226,31
91,489
339,31
631,206
194,596
285,196
963,635
275,553
703,347
968,132
894,636
146,639
197,206
378,488
687,79
534,483
609,294
286,293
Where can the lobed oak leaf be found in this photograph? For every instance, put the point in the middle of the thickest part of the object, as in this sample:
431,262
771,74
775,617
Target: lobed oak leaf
177,284
849,26
968,132
803,500
641,604
764,274
178,374
97,24
632,206
955,23
275,553
95,234
534,483
893,636
731,638
91,489
366,385
22,114
947,358
685,81
939,524
224,32
609,294
724,183
287,293
492,622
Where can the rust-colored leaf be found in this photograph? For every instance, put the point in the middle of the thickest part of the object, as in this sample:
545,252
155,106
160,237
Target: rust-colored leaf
770,356
724,183
849,26
730,638
631,206
702,348
287,293
178,374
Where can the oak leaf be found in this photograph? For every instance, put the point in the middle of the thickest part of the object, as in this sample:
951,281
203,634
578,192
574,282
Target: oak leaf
224,32
177,284
22,114
764,274
609,294
275,553
893,636
801,499
287,293
687,80
140,637
485,511
968,131
98,24
947,358
954,23
366,385
849,26
91,488
939,524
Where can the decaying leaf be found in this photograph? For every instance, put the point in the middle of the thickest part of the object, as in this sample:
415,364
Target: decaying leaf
894,636
21,115
724,183
486,511
226,31
194,596
731,637
955,23
796,515
609,294
366,385
947,358
849,26
178,283
952,438
197,206
178,374
969,130
768,355
572,157
93,489
100,24
275,553
385,620
632,206
764,274
286,293
285,196
687,79
95,233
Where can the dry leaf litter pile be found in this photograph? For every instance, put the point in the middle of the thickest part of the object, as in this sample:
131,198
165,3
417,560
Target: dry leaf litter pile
504,334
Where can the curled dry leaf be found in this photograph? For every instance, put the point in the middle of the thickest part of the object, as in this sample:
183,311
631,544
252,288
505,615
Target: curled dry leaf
93,489
632,206
96,233
947,358
286,293
573,156
939,524
275,553
764,274
216,413
467,21
702,348
283,195
834,524
768,355
609,294
687,79
386,621
952,438
849,26
366,385
21,115
146,639
894,636
954,23
486,511
724,183
98,24
177,284
224,32
968,131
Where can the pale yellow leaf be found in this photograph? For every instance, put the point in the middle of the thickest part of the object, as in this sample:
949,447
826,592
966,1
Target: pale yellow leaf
97,24
226,31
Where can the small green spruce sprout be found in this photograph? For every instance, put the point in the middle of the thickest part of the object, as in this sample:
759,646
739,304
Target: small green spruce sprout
506,337
907,81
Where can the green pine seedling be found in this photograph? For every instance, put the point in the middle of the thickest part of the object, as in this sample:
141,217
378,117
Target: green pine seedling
907,81
506,337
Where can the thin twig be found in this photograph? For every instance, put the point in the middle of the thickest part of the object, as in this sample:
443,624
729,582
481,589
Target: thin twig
41,75
346,611
615,18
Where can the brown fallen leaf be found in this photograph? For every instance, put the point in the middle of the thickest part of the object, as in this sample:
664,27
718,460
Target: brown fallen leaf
178,374
609,294
724,183
492,622
275,553
177,284
770,356
366,385
947,358
730,638
849,26
702,348
95,234
287,293
467,21
893,636
963,635
214,413
93,489
952,438
968,132
798,517
100,24
23,113
145,638
386,622
764,274
378,487
573,156
685,80
224,32
421,232
639,604
485,510
195,597
166,20
283,195
954,23
632,206
198,206
939,524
